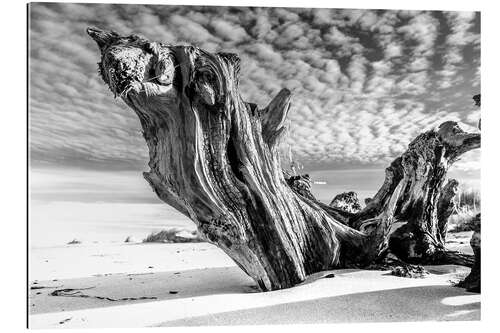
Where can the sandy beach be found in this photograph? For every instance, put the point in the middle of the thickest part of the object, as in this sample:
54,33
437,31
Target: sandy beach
137,285
295,138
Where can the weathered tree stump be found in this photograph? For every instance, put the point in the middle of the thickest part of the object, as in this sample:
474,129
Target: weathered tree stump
214,158
424,204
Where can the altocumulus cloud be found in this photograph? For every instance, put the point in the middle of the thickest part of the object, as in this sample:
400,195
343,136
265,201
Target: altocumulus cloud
365,82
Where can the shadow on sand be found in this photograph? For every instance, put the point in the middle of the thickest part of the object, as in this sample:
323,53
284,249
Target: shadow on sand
427,303
158,286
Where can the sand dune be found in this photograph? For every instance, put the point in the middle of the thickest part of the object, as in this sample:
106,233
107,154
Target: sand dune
127,285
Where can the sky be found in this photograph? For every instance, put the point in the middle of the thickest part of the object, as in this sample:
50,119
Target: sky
364,84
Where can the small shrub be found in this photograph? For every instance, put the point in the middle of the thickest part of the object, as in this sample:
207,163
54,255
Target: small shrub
174,235
463,220
131,239
469,198
468,203
74,241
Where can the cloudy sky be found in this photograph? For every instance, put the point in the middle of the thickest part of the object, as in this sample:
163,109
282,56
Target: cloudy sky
364,82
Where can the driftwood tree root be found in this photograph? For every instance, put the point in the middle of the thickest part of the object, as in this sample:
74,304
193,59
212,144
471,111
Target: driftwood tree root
214,157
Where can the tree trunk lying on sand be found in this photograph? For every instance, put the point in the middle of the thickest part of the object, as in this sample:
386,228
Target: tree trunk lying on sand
214,158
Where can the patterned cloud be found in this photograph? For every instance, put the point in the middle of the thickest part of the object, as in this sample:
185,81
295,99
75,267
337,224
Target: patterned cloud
364,82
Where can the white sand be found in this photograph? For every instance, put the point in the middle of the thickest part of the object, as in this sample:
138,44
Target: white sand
82,260
197,284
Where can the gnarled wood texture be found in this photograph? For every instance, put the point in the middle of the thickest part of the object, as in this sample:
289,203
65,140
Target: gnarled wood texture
214,158
347,201
473,281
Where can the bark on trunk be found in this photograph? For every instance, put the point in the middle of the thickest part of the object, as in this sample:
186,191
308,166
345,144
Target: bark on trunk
424,204
473,281
214,158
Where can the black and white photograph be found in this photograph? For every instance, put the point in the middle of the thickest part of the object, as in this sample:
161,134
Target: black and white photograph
244,165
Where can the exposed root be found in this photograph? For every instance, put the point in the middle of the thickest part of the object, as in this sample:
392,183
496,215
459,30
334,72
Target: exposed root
448,257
